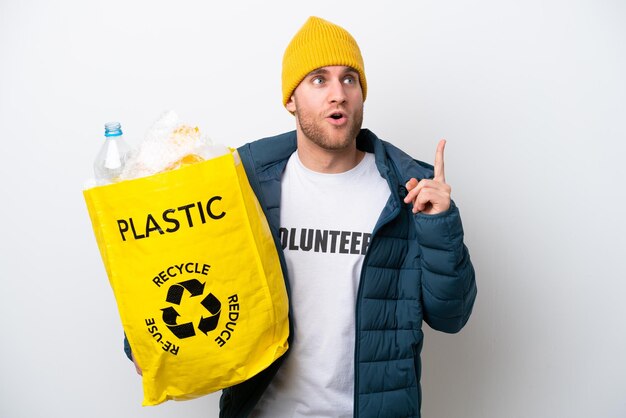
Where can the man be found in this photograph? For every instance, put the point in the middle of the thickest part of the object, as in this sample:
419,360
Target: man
398,256
369,241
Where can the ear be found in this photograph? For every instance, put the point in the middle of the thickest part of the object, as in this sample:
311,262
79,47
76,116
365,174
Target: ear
291,105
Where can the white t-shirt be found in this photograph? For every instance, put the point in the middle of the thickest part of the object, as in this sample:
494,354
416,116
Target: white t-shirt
326,224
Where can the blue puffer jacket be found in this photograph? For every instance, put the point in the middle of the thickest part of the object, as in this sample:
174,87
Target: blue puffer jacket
417,268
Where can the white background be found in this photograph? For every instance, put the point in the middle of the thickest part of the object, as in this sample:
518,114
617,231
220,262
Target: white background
530,96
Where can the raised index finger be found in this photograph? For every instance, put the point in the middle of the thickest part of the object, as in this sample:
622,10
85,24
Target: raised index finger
439,168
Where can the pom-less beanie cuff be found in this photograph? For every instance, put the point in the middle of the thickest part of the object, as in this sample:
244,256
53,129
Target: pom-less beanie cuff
317,44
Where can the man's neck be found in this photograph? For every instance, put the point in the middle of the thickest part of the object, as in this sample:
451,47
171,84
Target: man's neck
327,161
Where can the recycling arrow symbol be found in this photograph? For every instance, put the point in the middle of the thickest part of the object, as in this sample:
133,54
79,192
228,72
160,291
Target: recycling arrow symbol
175,296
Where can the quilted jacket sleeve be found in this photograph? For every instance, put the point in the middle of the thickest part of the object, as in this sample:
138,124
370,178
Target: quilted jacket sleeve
127,348
448,281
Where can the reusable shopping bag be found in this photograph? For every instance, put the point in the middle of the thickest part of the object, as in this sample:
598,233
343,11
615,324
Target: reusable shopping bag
195,274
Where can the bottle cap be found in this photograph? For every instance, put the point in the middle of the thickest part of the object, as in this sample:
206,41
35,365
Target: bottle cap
112,129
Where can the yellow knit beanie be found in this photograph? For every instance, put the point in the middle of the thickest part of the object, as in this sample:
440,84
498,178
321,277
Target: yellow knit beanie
317,44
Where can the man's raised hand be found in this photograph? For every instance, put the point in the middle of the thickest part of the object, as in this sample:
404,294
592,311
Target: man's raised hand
430,196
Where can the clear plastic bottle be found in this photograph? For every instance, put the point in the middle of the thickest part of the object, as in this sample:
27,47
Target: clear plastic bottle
110,161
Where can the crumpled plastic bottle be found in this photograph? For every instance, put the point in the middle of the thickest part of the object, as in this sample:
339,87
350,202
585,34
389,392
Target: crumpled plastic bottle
168,145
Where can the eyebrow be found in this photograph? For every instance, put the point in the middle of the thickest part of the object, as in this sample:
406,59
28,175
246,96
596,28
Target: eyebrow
319,71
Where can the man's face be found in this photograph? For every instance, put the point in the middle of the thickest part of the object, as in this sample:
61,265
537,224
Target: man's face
328,105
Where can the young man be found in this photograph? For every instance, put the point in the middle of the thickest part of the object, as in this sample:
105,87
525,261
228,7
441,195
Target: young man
369,241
